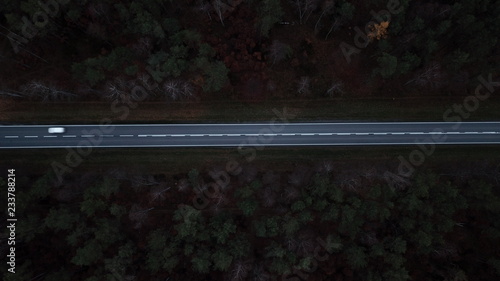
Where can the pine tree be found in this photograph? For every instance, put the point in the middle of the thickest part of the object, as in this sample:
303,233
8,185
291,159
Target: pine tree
61,219
270,13
387,65
216,77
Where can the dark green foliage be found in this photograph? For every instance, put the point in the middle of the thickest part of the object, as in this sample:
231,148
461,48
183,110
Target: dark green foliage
331,213
298,206
193,176
333,244
88,254
95,196
484,199
201,260
206,51
466,33
456,60
248,206
356,256
350,222
282,260
115,60
397,274
119,264
117,210
267,227
346,10
427,210
87,72
171,25
92,205
61,219
186,37
398,246
107,231
248,203
239,246
305,217
92,70
408,62
144,23
335,194
41,188
222,226
387,65
216,76
416,24
190,222
222,259
290,225
162,254
131,70
77,233
270,12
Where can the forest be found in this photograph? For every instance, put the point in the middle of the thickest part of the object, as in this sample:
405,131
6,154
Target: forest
248,50
327,221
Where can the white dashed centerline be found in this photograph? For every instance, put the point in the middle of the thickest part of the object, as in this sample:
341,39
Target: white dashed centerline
429,131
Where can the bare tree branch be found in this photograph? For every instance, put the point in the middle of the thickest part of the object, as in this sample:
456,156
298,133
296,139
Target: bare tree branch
304,85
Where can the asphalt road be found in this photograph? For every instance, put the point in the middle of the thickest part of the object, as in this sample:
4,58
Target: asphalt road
263,134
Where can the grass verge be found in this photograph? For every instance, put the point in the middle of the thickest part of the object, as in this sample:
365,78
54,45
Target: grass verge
404,109
173,161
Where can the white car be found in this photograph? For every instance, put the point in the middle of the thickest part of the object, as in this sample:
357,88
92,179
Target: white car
56,130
